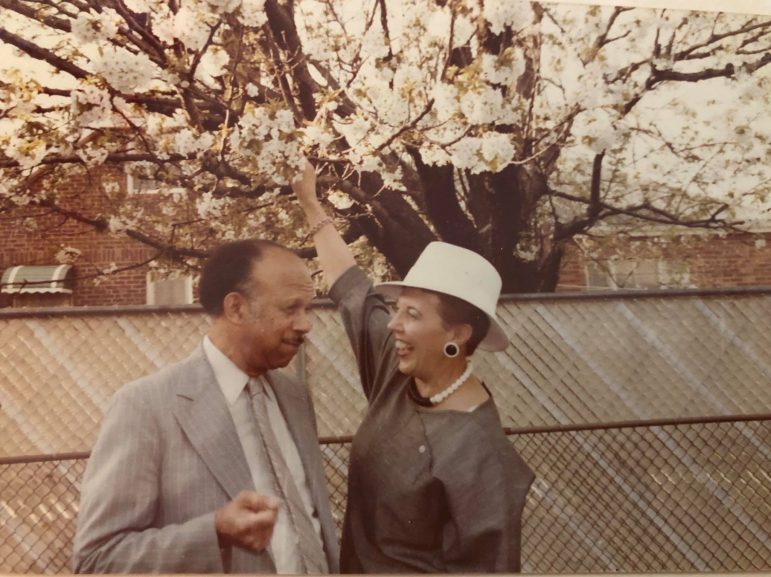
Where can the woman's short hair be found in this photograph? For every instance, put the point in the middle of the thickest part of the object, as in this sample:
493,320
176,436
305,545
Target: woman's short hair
455,311
229,269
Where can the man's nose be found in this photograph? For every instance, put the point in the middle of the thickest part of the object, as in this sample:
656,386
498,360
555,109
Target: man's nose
303,323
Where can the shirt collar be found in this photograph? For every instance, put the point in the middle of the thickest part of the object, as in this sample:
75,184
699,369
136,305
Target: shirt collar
230,378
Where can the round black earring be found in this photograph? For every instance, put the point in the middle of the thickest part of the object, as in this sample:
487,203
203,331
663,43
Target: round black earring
451,350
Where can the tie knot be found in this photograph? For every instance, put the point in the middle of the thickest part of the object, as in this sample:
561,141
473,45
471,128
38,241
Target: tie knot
254,386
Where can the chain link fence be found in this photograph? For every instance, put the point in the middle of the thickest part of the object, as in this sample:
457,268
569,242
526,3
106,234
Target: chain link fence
572,359
658,496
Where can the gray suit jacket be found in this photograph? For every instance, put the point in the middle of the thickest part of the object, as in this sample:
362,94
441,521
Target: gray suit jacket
166,458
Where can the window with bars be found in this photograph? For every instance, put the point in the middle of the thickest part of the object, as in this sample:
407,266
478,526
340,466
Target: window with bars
638,274
173,290
140,184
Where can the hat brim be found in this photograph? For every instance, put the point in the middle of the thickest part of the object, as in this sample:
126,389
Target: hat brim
495,340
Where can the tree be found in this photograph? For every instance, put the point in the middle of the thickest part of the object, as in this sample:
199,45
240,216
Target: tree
509,128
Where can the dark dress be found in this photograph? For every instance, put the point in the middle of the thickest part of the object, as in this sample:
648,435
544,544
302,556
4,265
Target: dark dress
428,491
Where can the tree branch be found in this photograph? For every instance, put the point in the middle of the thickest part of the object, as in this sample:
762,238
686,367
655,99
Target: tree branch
687,53
281,22
647,212
39,53
32,14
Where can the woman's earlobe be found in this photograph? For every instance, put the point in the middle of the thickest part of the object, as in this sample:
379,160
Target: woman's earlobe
451,349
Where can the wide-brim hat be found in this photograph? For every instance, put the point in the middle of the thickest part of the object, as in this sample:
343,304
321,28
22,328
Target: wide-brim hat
459,272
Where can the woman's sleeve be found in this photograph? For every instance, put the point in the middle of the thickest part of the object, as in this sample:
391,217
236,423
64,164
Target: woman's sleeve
365,318
485,492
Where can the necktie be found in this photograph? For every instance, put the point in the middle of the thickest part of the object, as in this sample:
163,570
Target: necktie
311,553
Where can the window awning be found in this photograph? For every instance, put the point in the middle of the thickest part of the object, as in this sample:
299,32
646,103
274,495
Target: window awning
36,279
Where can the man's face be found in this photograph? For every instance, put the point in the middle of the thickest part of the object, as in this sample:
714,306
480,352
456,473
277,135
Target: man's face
280,293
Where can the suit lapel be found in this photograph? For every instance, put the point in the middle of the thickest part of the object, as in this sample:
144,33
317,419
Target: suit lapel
203,415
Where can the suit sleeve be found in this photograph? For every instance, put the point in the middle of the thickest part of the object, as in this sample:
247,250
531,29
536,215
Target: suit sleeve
120,497
365,317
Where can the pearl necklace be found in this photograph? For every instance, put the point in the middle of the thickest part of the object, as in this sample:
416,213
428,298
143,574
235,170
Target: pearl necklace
442,395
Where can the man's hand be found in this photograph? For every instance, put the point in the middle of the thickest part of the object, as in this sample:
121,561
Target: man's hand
247,521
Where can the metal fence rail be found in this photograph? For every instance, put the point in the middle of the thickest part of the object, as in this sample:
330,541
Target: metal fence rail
655,496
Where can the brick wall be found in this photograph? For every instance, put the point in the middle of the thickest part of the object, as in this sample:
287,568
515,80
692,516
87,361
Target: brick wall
33,236
711,260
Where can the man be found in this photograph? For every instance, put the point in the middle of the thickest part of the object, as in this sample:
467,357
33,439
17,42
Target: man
185,475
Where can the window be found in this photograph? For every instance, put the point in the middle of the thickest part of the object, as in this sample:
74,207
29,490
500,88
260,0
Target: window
637,274
138,184
38,285
173,290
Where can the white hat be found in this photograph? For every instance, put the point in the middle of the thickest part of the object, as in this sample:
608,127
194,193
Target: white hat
456,271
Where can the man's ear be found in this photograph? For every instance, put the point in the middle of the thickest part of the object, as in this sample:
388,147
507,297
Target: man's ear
235,308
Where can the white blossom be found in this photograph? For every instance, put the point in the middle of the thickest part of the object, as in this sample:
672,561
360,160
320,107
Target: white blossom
27,152
497,150
187,142
213,64
502,13
140,6
208,206
483,105
504,69
339,199
88,27
445,97
434,155
67,254
116,224
393,178
125,71
465,153
224,6
188,25
253,13
321,135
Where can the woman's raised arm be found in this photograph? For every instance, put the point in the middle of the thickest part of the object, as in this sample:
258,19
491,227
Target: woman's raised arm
334,255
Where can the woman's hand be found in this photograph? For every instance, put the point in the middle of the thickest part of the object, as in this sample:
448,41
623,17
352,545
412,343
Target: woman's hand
334,255
305,187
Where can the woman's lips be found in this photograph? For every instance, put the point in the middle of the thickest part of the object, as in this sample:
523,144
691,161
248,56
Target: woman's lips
402,348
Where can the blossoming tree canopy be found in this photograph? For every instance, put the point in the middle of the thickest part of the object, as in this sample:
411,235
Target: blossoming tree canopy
507,127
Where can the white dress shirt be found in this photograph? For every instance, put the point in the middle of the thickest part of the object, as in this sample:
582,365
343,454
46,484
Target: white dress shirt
232,380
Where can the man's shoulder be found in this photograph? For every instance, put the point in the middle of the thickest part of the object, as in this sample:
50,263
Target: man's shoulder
289,383
167,381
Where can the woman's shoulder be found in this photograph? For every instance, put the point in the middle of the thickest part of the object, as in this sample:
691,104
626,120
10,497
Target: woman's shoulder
471,428
478,441
353,280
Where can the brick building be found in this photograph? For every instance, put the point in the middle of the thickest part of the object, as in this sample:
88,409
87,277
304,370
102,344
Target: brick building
33,239
662,258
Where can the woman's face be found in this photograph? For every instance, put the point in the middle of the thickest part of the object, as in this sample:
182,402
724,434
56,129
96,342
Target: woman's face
419,332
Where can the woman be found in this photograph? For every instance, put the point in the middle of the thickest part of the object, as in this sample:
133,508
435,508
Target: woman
433,483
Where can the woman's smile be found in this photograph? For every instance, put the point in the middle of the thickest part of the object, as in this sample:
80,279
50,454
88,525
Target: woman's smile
402,348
